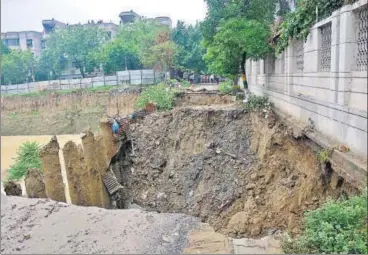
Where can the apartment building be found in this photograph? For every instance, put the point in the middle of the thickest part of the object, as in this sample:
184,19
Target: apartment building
128,17
24,40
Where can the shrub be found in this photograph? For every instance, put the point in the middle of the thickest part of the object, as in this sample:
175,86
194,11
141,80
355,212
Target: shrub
257,102
337,227
185,83
27,157
225,87
157,94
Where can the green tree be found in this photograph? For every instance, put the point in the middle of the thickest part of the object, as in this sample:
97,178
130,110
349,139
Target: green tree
236,40
229,25
76,44
161,53
27,157
144,43
17,67
116,56
190,49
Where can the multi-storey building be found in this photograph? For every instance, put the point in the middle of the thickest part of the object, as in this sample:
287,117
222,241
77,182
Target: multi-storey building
24,40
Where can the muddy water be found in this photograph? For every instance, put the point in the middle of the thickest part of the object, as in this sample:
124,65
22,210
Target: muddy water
10,145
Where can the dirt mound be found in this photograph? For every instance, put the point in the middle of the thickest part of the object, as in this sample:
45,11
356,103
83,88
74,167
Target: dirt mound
230,168
39,226
12,189
35,186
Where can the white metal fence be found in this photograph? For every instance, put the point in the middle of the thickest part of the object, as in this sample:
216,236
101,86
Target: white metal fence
130,77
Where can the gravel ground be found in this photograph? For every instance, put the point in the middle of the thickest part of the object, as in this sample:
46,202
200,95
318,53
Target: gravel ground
44,227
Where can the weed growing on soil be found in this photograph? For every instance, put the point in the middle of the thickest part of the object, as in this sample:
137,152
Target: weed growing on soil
337,227
225,87
257,103
27,157
157,94
324,154
14,115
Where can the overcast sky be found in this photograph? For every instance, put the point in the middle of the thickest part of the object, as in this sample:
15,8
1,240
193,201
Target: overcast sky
20,15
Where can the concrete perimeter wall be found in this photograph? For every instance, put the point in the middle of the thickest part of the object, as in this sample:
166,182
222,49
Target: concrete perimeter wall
129,77
323,79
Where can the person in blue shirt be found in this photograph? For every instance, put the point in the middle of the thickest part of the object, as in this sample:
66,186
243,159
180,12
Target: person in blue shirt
115,126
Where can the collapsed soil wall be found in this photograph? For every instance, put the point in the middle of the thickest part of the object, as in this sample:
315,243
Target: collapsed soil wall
54,184
85,167
230,168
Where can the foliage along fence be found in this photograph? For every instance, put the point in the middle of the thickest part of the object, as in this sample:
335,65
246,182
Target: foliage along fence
129,77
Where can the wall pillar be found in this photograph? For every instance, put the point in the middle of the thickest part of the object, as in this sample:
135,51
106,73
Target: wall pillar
289,56
335,58
346,49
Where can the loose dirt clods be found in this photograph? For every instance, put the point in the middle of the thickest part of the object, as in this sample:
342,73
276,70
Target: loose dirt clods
34,183
12,189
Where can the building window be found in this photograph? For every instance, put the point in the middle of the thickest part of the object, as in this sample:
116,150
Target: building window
29,43
299,55
43,44
325,55
12,42
362,38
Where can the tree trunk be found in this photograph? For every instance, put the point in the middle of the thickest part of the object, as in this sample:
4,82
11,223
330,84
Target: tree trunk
82,71
244,75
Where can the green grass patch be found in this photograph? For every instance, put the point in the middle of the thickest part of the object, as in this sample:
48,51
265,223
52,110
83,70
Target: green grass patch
14,115
157,94
63,92
27,157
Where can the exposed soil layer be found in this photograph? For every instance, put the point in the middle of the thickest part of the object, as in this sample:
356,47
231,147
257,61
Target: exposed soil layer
240,172
34,183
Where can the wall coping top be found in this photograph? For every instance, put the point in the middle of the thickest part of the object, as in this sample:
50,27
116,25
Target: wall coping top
359,4
322,23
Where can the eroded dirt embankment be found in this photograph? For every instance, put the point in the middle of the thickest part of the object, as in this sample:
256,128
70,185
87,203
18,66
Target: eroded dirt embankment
240,172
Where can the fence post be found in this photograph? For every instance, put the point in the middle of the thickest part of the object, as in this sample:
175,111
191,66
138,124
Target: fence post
104,81
17,89
130,79
28,87
141,78
92,81
80,83
69,84
60,84
117,79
